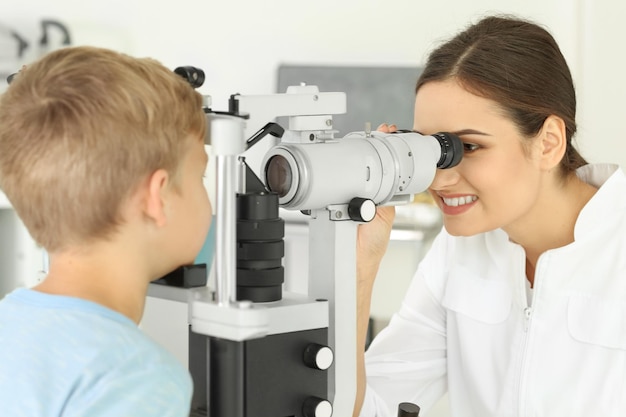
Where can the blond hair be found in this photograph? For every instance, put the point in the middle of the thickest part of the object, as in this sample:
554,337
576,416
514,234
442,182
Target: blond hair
79,130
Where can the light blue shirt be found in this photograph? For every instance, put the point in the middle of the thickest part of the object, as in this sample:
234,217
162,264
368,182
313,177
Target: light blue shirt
64,356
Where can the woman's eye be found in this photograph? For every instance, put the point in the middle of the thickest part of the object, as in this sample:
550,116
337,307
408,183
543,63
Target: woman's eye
470,147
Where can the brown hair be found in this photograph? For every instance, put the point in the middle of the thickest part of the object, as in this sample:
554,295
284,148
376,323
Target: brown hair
79,130
517,64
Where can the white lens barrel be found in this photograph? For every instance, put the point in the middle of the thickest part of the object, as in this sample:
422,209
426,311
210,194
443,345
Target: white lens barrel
379,166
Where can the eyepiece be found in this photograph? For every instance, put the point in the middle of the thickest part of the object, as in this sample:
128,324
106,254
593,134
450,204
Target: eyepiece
193,75
451,149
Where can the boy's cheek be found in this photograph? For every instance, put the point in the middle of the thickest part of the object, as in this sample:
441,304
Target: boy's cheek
206,254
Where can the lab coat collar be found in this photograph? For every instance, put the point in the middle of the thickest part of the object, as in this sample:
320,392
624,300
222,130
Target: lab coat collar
608,203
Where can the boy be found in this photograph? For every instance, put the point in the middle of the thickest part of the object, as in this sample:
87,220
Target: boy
102,157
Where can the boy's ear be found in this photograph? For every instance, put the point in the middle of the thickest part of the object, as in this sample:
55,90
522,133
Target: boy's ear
553,142
154,204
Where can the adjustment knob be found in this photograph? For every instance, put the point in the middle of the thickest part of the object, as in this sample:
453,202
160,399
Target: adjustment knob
408,410
317,407
318,356
361,209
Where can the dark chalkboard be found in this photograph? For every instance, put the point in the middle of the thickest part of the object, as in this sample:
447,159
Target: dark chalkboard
374,94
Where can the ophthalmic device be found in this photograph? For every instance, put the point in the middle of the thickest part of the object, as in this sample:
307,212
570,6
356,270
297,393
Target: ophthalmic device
254,349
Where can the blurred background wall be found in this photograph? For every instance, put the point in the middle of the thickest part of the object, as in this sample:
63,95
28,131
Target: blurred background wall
240,43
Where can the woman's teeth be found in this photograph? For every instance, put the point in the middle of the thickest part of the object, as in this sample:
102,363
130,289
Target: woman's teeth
459,201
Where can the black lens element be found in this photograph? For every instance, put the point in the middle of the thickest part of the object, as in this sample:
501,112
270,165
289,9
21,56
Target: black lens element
451,149
279,175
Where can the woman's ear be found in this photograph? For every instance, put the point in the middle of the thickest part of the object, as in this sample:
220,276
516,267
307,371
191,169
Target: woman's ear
155,193
553,142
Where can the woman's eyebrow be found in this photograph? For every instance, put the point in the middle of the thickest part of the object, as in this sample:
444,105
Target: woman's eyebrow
470,132
462,132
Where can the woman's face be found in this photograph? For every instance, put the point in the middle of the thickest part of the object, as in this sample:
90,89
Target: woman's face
497,183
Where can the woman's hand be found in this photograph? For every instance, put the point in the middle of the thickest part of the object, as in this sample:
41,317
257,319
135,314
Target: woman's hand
372,241
373,237
387,128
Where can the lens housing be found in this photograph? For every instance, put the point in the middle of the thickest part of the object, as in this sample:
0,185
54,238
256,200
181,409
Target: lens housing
385,168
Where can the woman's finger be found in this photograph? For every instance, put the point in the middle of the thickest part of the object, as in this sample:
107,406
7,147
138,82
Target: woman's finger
387,128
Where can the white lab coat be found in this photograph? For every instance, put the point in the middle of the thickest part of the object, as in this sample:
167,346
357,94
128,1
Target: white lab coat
466,324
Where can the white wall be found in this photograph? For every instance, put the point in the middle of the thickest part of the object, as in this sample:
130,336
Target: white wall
239,44
601,82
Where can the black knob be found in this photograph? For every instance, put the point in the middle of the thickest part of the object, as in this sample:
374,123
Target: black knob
193,75
361,209
317,407
408,410
318,356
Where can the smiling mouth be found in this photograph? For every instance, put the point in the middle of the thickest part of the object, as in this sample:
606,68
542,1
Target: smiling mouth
459,201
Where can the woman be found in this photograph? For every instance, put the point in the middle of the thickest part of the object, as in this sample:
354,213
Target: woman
519,308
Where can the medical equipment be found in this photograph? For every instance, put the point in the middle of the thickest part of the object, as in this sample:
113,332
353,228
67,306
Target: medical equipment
254,350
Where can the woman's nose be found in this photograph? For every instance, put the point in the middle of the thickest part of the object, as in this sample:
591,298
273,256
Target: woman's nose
444,178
